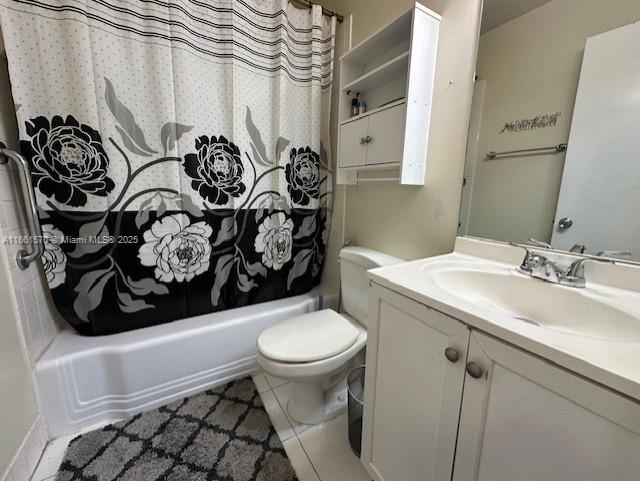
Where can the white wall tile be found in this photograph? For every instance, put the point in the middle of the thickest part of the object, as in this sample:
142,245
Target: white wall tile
47,323
12,219
7,189
29,454
12,251
38,319
17,293
28,295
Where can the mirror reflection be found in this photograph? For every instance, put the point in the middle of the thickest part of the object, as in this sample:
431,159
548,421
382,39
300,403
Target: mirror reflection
553,154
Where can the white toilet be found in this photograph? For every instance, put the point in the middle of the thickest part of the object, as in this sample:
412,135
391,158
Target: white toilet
315,350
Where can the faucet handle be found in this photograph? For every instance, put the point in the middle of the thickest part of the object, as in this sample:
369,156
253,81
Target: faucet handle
576,269
531,260
527,251
578,248
539,243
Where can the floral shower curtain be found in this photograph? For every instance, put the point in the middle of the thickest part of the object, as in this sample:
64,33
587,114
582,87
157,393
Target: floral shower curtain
177,150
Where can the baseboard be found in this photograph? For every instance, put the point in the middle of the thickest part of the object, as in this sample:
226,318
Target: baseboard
26,459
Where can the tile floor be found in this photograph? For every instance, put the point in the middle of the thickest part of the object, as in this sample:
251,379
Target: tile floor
317,453
54,453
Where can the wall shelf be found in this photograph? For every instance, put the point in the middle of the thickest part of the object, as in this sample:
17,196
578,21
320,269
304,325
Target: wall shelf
394,33
385,73
373,111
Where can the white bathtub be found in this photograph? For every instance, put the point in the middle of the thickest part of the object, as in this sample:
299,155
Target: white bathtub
83,381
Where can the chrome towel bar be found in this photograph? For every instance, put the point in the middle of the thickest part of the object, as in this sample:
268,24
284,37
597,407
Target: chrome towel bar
24,257
557,149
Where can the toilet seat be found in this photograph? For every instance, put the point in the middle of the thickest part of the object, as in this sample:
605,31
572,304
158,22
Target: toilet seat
312,337
344,349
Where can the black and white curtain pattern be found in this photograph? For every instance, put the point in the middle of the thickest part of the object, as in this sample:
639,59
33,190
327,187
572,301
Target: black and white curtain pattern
178,150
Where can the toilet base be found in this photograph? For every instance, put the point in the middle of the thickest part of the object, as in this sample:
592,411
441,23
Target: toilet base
318,389
310,403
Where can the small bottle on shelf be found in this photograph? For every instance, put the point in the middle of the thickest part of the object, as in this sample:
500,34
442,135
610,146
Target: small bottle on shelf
362,107
354,106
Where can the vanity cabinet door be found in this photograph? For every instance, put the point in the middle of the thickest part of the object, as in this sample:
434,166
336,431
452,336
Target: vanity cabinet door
412,391
525,419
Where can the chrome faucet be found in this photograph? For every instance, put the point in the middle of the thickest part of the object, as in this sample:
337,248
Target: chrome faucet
540,267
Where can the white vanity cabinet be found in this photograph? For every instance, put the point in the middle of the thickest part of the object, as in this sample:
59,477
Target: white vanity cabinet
526,419
412,392
497,413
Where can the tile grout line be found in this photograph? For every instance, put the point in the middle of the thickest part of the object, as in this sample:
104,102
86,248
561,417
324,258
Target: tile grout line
308,457
296,434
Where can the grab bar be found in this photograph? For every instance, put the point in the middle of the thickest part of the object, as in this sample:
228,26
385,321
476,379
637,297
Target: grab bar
552,149
24,258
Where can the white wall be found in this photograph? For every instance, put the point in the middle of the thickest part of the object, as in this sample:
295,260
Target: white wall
28,322
531,66
413,222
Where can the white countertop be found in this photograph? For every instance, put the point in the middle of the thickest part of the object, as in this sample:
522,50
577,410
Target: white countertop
615,364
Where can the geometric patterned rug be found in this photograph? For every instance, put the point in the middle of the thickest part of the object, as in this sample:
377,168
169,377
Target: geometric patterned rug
223,434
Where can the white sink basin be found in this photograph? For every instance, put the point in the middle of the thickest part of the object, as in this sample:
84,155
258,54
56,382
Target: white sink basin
580,312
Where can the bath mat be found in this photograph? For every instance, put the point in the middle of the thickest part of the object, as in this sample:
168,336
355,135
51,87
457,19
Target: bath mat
223,434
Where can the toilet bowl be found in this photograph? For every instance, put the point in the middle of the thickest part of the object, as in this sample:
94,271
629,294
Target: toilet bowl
314,351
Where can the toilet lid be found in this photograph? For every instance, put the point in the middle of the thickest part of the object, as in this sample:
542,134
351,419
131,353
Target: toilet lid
311,337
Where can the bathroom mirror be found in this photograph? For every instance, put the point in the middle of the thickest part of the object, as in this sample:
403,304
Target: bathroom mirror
553,151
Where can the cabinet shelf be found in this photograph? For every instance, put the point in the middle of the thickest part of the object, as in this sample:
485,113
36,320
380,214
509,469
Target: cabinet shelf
393,33
373,111
385,73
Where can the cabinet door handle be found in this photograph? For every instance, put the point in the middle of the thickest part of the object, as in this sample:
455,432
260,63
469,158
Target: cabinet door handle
363,141
474,370
367,139
451,354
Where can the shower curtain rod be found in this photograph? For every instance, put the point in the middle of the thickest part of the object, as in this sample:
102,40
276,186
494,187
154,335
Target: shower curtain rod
325,11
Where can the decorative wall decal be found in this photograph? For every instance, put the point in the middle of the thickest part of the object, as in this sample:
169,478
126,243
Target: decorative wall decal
183,187
541,121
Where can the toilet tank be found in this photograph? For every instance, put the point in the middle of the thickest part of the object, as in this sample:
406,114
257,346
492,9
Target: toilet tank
354,285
